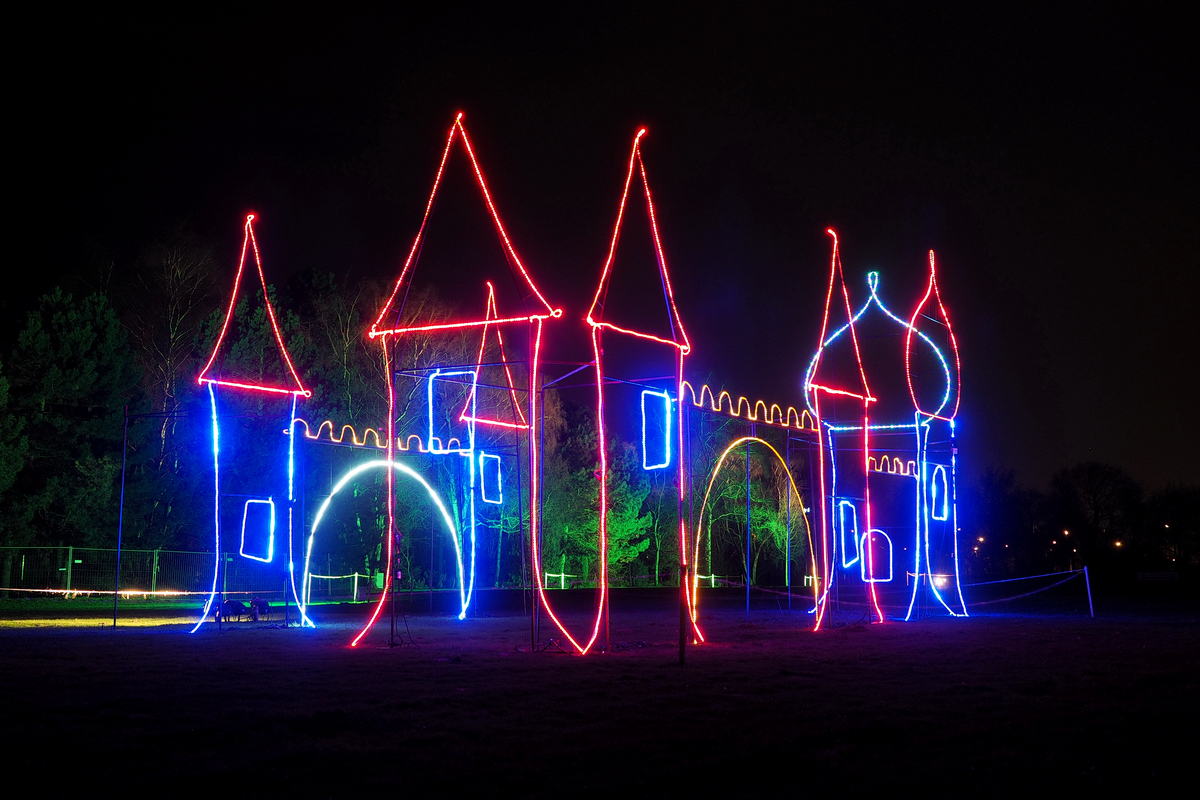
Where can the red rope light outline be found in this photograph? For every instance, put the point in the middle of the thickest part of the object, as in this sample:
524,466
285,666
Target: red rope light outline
682,346
491,314
677,330
870,549
249,240
837,276
457,129
932,289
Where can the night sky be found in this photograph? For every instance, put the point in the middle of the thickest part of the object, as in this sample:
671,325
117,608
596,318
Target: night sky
1050,161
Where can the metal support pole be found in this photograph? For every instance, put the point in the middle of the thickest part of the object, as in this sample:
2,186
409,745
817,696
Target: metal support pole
684,616
1088,582
394,575
121,519
748,524
520,525
537,606
432,523
787,465
223,567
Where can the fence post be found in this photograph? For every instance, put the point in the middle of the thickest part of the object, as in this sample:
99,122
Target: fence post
1088,582
70,565
154,574
752,432
120,518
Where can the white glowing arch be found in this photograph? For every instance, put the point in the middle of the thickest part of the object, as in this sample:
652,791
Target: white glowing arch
403,469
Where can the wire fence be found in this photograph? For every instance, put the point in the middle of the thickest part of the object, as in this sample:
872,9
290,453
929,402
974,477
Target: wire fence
84,570
72,571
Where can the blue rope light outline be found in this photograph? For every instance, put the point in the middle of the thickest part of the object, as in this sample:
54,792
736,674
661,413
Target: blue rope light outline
873,284
666,397
270,501
483,483
939,470
842,505
921,428
862,564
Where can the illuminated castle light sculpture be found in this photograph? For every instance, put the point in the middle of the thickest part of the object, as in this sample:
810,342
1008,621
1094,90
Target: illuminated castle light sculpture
263,493
880,423
887,483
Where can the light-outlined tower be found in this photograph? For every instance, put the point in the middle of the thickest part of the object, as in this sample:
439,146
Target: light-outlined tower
254,473
888,457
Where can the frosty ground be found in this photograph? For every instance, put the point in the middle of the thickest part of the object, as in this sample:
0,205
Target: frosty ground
990,704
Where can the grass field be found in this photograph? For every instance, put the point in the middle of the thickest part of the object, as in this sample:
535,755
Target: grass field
990,705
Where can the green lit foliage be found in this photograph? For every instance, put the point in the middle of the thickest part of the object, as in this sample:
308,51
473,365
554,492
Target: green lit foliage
762,493
571,518
662,506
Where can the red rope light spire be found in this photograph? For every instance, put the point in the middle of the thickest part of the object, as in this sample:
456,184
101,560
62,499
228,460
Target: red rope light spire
248,242
378,328
679,337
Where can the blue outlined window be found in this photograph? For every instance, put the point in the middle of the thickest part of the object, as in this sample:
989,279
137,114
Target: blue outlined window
444,401
939,500
876,558
848,528
490,487
656,441
258,530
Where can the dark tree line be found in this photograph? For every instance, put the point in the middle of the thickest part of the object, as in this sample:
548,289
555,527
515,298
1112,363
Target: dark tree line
1091,514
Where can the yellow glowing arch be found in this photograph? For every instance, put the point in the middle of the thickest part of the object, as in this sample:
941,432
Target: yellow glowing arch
693,599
